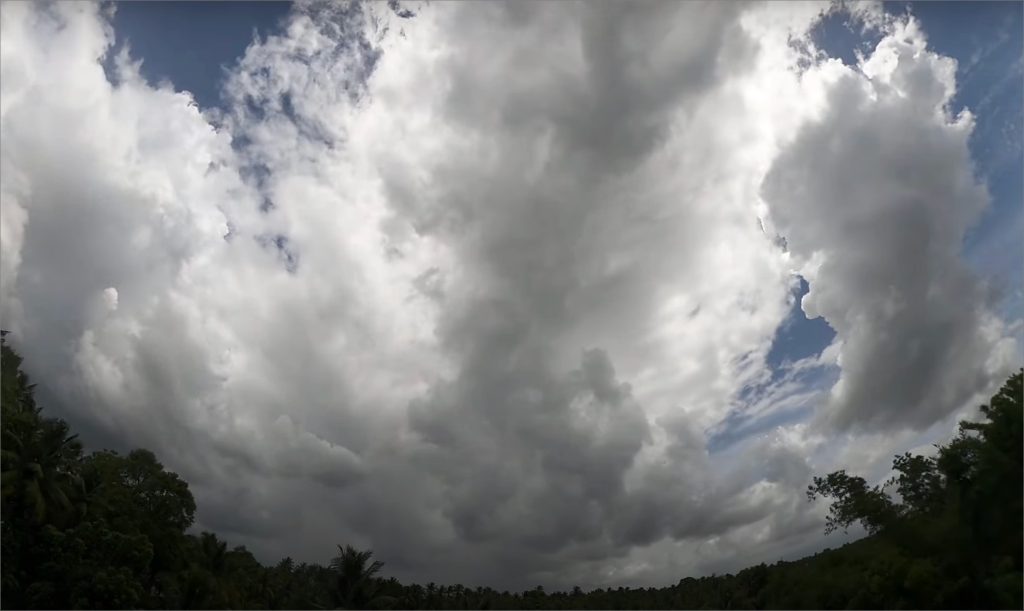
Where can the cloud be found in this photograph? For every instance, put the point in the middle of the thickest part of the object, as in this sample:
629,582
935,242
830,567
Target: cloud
874,199
475,288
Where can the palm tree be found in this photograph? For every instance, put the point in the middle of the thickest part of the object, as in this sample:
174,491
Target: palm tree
38,472
355,584
39,456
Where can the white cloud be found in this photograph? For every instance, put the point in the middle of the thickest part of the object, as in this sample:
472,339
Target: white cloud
873,199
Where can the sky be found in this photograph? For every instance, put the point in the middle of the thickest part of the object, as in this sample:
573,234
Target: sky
514,294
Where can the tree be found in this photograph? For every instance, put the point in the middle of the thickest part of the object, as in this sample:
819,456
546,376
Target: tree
38,456
38,474
854,502
919,484
134,494
108,531
354,577
958,524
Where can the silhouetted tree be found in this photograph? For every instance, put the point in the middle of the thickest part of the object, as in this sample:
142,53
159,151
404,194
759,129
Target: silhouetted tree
107,530
354,577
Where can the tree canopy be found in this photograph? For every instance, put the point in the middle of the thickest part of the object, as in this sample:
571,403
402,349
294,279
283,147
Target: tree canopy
105,530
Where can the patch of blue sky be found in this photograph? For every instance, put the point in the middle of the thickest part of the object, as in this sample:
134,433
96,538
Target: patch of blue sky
737,426
795,381
798,337
191,44
841,36
986,39
792,394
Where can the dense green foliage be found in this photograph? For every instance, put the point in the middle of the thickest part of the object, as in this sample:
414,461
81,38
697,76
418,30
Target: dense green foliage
103,530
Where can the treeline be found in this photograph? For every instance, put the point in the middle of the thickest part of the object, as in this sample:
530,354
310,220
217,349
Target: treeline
105,530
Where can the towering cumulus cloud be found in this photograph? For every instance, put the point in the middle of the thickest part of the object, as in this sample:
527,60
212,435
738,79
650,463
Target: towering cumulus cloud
874,198
472,287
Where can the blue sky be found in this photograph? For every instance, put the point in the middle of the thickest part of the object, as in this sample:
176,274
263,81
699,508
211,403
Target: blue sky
190,43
